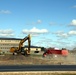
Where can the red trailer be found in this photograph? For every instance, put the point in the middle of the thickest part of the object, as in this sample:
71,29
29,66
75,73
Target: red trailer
63,52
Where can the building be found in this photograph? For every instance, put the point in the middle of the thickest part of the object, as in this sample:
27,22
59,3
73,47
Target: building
7,43
33,48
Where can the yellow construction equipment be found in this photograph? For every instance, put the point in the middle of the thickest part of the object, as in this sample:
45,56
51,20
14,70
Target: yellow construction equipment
20,48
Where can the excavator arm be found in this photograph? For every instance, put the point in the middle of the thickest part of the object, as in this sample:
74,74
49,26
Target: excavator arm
23,40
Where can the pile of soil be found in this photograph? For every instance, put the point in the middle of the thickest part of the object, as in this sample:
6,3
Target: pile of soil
23,60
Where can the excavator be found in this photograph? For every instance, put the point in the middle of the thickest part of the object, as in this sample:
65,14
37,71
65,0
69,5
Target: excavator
20,48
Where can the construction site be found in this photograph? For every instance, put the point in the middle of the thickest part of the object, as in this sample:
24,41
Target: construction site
50,56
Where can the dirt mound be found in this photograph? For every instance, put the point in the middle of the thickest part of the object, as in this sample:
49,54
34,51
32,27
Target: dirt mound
12,57
21,60
17,57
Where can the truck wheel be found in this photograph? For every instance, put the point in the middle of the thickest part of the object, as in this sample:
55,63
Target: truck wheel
14,53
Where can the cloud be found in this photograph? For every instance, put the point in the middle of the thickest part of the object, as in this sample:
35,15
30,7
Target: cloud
6,33
45,42
64,35
58,32
72,32
56,24
61,42
5,11
73,22
34,23
52,23
39,21
61,34
74,6
34,31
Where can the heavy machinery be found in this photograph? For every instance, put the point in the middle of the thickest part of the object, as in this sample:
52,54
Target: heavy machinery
62,52
20,48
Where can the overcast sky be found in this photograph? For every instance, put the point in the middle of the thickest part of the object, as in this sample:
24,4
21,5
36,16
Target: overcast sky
51,23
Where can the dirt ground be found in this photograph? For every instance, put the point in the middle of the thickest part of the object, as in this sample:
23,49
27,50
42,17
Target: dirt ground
37,60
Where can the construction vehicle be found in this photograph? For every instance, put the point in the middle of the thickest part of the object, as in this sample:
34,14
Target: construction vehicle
48,51
20,48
